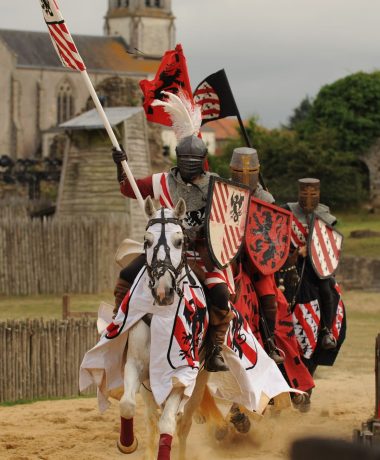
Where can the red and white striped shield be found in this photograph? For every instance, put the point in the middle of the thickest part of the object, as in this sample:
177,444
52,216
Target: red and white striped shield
226,218
324,247
60,36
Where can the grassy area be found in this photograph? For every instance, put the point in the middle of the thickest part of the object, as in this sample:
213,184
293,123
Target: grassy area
365,247
48,306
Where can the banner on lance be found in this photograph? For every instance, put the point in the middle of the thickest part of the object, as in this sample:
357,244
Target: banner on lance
268,235
226,217
60,36
324,247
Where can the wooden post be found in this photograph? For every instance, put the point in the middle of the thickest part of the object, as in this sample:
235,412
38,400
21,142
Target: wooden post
377,379
65,306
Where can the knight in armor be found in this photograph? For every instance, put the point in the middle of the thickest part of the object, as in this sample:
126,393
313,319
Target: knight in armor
245,168
301,283
188,180
311,285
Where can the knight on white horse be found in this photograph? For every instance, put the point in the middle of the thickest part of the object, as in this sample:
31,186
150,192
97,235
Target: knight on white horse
164,356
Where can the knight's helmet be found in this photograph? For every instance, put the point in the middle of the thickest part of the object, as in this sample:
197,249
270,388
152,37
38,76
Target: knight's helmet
308,194
245,166
186,120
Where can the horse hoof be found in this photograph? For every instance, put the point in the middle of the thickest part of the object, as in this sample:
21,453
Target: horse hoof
241,422
302,402
221,432
127,449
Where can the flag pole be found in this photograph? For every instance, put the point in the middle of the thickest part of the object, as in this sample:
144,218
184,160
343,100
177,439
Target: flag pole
242,128
70,57
112,136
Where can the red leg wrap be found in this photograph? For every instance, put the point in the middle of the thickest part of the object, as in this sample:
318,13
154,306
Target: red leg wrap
126,431
165,447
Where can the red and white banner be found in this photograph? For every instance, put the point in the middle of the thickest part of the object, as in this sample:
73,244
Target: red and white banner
324,247
307,323
60,36
226,218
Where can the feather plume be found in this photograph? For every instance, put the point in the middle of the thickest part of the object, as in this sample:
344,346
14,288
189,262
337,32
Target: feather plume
186,117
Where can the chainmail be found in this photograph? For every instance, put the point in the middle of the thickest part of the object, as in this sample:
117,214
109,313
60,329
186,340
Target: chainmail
321,211
195,196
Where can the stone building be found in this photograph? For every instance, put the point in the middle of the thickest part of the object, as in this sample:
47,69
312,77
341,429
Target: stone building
38,93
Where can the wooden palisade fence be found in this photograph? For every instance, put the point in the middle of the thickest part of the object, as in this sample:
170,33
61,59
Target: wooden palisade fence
54,256
41,359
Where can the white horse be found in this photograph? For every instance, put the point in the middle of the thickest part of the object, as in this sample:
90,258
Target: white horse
168,277
162,360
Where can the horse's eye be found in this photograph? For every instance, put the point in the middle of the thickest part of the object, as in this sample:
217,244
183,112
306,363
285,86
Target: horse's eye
177,241
148,240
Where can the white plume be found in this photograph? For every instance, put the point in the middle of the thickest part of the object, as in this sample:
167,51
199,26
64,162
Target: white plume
186,117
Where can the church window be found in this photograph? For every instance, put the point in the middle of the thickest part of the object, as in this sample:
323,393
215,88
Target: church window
65,102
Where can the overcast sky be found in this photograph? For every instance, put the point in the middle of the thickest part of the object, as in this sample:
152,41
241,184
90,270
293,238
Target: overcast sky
275,52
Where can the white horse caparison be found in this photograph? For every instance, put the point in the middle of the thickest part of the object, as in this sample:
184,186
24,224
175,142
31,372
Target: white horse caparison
166,266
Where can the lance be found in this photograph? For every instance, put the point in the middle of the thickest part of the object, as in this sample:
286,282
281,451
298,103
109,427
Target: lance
70,57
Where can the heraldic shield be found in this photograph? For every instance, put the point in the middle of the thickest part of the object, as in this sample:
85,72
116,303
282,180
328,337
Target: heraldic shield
324,247
226,218
267,239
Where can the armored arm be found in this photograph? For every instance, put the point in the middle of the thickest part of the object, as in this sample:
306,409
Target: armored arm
118,156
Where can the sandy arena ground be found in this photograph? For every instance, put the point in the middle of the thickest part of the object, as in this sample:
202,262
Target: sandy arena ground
74,429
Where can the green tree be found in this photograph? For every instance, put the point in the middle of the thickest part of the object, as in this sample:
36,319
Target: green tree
349,109
300,114
285,157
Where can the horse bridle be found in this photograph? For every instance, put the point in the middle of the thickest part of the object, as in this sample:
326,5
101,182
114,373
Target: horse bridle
159,267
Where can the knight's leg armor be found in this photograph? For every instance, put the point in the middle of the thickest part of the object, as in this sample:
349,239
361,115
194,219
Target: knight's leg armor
268,306
126,279
220,317
327,312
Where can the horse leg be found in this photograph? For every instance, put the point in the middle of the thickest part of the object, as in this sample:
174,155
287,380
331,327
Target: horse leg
135,371
185,421
211,412
239,418
128,442
167,423
151,414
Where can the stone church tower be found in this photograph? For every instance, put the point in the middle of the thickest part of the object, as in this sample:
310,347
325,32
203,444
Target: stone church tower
147,25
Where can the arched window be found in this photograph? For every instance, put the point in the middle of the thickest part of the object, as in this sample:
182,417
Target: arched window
65,102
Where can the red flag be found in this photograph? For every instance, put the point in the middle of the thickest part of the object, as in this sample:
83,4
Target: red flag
171,76
60,36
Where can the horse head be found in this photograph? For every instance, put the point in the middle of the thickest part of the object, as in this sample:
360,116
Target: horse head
165,252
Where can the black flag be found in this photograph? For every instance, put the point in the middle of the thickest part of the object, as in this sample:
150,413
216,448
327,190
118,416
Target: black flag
215,97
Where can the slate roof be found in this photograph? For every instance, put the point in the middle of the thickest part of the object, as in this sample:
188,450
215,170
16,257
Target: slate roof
91,119
35,50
